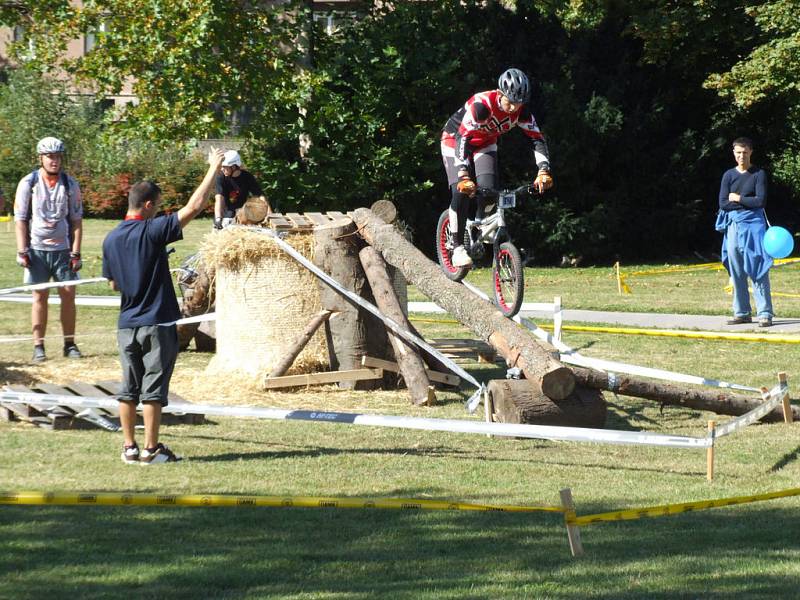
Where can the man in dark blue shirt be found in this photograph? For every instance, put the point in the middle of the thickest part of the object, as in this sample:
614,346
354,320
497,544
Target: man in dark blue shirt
135,263
742,198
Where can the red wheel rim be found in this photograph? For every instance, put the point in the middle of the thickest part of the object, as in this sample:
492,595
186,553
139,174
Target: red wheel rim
502,255
443,251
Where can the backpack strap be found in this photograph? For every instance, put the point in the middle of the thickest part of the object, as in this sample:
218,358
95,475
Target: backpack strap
65,182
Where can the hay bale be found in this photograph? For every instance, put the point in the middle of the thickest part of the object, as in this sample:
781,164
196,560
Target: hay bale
264,301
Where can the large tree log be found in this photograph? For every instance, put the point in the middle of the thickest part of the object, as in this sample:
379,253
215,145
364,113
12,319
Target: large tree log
351,331
408,360
300,343
537,360
514,401
718,401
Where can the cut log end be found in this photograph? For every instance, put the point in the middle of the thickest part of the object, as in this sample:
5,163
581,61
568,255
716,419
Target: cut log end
516,401
558,383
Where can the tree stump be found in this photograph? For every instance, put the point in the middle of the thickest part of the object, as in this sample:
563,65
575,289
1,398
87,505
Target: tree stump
198,299
351,331
515,401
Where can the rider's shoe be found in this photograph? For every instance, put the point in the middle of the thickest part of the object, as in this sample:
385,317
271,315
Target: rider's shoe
460,257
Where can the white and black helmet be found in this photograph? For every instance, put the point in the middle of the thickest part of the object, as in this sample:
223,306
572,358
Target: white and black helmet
50,145
231,159
515,86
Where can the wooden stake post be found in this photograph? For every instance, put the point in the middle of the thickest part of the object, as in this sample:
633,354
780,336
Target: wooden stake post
788,415
710,453
573,531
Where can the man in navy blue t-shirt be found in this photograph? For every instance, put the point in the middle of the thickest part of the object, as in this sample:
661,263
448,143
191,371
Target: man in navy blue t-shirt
741,217
135,263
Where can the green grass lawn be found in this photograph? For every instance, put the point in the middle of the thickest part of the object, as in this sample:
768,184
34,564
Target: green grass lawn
749,551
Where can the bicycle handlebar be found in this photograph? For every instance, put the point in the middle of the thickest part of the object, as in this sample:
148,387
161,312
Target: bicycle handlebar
492,193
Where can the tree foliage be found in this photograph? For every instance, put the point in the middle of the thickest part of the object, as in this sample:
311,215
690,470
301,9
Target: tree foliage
639,100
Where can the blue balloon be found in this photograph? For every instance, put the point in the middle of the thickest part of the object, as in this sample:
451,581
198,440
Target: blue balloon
778,242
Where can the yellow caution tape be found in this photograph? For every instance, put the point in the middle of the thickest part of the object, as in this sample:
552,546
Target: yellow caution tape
5,219
674,509
701,335
716,266
216,500
442,321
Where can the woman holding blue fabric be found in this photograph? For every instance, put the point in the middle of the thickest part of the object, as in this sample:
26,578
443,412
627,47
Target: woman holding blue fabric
742,219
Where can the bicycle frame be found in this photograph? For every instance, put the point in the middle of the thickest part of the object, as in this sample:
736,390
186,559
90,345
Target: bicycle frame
492,228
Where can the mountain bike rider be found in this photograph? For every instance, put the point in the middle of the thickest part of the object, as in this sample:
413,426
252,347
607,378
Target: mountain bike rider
469,148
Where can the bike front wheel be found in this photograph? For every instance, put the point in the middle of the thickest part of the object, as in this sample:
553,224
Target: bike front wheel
509,283
444,249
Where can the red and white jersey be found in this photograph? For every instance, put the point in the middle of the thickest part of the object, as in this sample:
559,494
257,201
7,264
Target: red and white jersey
477,125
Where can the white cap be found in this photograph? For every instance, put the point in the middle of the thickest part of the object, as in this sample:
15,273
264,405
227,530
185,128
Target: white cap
232,158
50,145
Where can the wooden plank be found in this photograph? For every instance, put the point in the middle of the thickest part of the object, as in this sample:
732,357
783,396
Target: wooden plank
64,416
40,415
318,218
88,390
278,221
29,410
437,376
7,413
322,378
300,221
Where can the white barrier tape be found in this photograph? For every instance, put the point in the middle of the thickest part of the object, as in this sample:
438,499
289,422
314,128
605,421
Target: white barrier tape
50,285
775,398
184,321
476,291
196,319
432,307
543,432
612,382
570,356
391,324
104,301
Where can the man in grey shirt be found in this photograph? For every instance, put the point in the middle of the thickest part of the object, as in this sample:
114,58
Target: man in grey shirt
48,212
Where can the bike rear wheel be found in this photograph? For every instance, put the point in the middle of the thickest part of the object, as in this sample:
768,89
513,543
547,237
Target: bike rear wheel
509,283
444,249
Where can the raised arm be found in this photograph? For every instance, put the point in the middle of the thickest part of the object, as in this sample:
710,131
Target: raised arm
198,200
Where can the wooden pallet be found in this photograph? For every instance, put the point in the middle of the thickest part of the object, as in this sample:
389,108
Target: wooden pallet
64,417
296,222
459,349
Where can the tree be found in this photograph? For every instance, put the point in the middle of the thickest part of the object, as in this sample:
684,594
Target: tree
766,81
191,63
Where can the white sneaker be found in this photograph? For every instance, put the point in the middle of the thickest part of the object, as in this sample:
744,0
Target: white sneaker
460,257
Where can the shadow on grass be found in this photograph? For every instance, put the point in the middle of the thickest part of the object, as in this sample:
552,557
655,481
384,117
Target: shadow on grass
319,451
786,459
99,552
430,452
17,373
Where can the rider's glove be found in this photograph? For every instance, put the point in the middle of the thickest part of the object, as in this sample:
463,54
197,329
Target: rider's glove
217,222
543,181
24,259
465,185
75,262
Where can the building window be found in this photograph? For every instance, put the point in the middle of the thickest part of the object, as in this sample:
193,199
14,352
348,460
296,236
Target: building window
333,20
90,39
19,38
